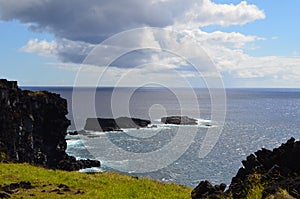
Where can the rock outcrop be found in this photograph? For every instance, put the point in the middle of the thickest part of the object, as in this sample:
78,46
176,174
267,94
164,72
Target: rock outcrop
205,189
33,126
273,171
110,124
179,120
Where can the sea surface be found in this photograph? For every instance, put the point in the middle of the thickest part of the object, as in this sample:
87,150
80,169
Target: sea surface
255,118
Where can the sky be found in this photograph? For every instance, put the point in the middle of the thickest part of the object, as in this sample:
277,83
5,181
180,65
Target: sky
250,43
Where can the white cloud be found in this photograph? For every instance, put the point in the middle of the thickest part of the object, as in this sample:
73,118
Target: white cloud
227,39
63,49
241,65
205,12
86,23
94,20
44,48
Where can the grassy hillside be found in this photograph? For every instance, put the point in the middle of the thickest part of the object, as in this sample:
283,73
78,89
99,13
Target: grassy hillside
44,183
26,181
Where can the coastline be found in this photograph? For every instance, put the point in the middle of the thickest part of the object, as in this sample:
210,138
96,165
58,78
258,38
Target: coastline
253,180
34,128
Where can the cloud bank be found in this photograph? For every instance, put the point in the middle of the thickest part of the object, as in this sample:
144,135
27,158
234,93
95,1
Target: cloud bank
94,20
79,25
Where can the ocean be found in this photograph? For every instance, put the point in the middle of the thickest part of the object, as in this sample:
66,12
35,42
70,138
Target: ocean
255,118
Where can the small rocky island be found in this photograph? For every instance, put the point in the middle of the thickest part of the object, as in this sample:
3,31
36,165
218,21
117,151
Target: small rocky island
110,124
179,120
33,127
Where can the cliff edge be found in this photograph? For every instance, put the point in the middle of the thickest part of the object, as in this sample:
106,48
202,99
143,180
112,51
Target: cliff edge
33,126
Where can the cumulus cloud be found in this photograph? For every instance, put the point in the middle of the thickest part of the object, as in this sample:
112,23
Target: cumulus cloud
205,12
94,20
243,66
79,25
231,39
89,21
65,50
44,48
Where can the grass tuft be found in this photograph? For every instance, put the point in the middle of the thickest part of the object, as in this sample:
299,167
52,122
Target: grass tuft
255,188
282,194
37,93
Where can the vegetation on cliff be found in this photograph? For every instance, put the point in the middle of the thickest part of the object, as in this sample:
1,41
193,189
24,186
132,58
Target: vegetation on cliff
265,174
23,180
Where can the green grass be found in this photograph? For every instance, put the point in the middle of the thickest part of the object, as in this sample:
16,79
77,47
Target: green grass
3,156
256,187
81,185
282,194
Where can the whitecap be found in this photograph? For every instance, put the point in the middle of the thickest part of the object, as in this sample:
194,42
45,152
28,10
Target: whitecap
91,170
74,142
203,121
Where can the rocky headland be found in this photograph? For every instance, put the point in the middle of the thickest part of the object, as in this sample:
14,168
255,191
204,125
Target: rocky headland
33,126
264,173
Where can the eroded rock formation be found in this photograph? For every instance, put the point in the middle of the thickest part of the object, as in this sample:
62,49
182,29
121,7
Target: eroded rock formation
110,124
33,126
179,120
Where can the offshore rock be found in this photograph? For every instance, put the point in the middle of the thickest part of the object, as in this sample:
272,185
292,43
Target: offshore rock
179,120
33,126
110,124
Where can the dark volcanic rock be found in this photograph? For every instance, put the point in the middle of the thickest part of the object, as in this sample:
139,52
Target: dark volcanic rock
9,188
4,195
70,164
73,133
101,124
277,169
33,126
182,120
205,189
125,122
110,124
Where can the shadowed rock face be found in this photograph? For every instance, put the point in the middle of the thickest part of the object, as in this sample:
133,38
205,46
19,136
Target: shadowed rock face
33,127
180,120
110,124
276,169
207,190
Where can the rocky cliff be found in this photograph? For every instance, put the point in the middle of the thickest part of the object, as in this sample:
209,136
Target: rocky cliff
33,126
266,172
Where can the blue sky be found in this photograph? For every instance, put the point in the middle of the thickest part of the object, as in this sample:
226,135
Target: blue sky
280,23
44,42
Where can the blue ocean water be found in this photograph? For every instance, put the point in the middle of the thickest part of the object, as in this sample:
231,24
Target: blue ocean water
255,118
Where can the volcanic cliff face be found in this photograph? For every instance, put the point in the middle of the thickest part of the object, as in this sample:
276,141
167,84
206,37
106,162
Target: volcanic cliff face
33,127
270,170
